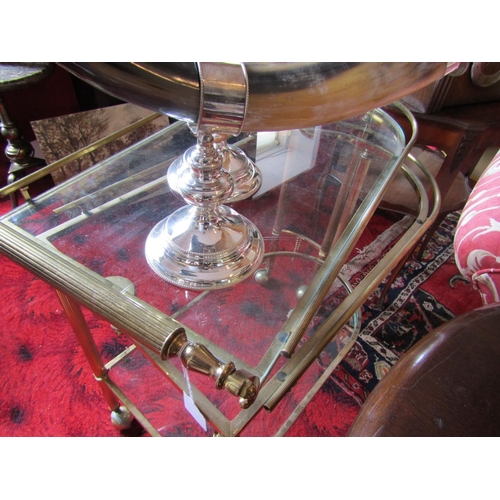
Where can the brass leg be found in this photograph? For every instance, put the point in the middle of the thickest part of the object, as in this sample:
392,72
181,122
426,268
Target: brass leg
120,416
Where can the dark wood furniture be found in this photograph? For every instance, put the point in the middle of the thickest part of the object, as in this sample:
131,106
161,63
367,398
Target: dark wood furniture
19,151
463,133
445,385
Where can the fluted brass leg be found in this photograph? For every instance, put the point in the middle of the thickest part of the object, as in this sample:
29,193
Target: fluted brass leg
84,337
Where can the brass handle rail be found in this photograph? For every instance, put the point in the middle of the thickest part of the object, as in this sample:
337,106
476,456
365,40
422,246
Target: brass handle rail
90,289
155,330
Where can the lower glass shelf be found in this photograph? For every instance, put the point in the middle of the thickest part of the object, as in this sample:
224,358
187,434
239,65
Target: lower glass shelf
153,390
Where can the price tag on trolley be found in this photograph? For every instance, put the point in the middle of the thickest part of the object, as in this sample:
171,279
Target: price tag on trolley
190,405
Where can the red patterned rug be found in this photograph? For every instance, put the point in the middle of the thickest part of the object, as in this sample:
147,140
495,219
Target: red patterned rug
49,390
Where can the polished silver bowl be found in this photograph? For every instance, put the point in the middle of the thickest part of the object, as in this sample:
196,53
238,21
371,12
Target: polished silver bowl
281,96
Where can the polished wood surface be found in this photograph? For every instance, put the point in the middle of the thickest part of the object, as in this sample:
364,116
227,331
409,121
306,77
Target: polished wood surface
463,133
445,385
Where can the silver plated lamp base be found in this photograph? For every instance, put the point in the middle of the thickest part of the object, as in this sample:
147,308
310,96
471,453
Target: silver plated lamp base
204,255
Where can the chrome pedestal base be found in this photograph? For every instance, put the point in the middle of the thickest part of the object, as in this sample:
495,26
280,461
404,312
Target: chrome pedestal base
204,256
246,176
204,245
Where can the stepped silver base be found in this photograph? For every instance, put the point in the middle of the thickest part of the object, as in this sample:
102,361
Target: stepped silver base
247,177
197,254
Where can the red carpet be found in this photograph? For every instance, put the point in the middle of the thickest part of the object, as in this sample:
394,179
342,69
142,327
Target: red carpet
49,390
